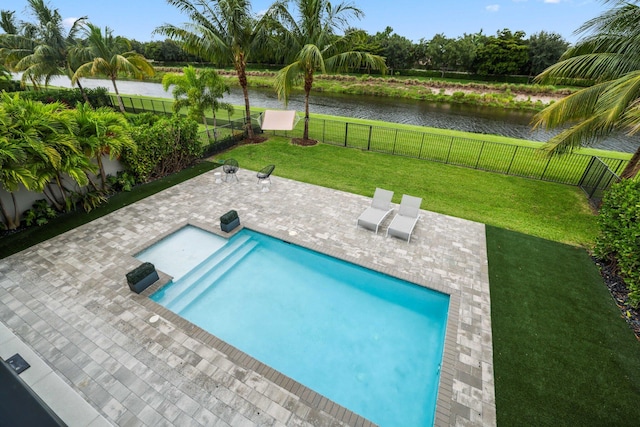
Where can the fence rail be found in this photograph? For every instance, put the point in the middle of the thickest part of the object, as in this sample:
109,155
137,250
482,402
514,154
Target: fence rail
509,159
224,133
597,178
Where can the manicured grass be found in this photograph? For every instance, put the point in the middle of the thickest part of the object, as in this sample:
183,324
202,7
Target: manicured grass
165,104
15,243
552,211
562,354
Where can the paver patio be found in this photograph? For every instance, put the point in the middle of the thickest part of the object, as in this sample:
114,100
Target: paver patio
67,299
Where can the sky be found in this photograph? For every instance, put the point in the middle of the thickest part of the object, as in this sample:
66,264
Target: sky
413,19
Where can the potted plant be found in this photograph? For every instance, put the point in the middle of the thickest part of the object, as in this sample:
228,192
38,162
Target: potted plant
229,221
141,277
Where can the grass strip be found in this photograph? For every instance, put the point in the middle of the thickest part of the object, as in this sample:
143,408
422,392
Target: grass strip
552,211
562,354
17,242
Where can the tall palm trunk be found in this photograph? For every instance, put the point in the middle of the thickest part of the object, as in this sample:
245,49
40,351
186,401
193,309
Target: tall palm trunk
242,78
215,128
12,221
633,167
120,103
52,198
308,84
206,126
103,174
84,94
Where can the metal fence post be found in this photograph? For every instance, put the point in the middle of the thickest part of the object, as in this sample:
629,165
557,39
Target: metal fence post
369,142
512,159
395,140
546,167
479,155
324,128
449,152
346,132
586,171
595,187
421,145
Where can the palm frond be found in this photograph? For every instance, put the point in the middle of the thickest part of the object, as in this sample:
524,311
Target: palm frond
286,79
619,97
584,133
575,107
349,61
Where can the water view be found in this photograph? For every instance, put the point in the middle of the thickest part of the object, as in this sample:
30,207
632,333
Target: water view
469,118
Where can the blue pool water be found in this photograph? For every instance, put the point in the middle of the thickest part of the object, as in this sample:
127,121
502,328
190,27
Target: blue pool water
368,341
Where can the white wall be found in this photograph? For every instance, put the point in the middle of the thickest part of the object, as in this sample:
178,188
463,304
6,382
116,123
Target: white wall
25,198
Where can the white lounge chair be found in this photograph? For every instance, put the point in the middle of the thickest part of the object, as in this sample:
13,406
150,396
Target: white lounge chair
380,207
405,220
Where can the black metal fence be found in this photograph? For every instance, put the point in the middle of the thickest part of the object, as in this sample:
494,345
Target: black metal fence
223,131
509,159
597,178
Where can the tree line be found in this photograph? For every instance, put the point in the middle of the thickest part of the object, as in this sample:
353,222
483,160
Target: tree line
505,53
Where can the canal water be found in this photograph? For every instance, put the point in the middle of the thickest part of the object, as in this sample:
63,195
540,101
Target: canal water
470,118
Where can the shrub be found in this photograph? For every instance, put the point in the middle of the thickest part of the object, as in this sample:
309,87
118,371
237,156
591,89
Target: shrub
89,200
40,213
229,217
166,146
123,181
98,97
140,272
619,240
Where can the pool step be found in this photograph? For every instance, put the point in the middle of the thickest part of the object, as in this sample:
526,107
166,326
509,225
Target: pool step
193,284
181,284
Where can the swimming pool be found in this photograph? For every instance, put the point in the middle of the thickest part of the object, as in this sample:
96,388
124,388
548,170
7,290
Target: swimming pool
369,342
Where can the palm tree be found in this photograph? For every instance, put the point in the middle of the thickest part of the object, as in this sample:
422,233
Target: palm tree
8,21
17,41
310,43
220,31
41,51
101,132
38,149
197,92
609,56
13,171
108,55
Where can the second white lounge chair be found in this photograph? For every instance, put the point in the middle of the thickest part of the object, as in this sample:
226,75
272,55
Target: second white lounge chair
373,216
405,220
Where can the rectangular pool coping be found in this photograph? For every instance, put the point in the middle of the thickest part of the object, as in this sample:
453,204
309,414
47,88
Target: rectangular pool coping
310,397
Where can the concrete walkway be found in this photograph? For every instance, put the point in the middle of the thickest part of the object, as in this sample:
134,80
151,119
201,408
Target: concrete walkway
67,299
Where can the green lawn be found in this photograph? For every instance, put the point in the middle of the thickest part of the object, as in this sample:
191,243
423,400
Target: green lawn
165,105
562,354
552,211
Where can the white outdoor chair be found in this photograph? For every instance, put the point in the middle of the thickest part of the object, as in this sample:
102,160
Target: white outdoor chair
406,219
380,207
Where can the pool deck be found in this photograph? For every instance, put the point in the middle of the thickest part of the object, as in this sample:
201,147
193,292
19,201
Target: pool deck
66,303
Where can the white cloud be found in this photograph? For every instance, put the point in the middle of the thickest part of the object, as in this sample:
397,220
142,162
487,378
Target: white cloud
493,7
68,22
552,1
